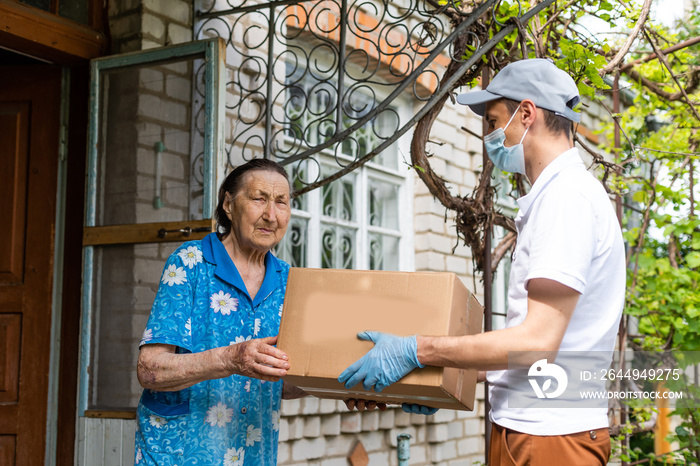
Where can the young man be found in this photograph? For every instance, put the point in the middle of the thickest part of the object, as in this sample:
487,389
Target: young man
567,280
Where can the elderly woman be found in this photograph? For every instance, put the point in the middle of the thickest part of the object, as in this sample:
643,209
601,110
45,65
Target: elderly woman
207,360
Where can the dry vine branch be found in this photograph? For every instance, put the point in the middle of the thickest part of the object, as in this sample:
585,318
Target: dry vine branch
643,15
663,60
474,212
643,229
666,51
554,17
599,160
693,81
503,247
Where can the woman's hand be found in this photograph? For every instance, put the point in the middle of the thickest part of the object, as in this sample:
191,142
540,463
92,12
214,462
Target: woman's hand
161,368
256,358
362,405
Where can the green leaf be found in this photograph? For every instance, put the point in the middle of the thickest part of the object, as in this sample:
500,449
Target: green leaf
695,242
641,197
606,6
693,259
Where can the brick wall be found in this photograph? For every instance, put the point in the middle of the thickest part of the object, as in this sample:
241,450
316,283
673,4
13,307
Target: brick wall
145,24
324,432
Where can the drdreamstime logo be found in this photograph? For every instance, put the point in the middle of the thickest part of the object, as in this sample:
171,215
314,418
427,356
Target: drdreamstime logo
544,370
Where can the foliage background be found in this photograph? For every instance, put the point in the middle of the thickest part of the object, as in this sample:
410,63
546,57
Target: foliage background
651,142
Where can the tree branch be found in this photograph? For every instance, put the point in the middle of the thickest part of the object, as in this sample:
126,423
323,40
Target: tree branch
643,15
503,247
663,60
693,81
643,230
652,56
554,17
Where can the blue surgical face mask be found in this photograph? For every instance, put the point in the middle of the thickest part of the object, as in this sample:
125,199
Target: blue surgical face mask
509,159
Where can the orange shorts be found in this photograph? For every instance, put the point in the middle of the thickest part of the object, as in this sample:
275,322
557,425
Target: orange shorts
510,448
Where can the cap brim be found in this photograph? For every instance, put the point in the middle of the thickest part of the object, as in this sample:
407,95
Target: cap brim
571,115
477,100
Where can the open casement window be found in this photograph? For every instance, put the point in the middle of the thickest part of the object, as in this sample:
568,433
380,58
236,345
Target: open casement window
155,161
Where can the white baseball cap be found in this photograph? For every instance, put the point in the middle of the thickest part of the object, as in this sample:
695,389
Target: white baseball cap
536,79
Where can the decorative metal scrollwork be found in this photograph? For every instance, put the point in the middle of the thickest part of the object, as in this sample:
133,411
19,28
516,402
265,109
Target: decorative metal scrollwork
327,76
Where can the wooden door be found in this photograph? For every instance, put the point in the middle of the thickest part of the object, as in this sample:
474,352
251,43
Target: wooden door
29,141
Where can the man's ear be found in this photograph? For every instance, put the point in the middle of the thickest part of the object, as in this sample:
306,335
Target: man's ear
529,114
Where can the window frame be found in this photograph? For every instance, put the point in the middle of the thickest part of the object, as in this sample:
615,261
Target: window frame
212,51
50,36
313,215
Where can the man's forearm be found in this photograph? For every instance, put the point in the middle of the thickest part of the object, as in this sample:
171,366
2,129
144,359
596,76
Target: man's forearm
550,306
485,351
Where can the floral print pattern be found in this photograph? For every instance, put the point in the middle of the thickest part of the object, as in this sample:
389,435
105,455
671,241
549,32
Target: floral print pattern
253,435
223,303
241,339
219,415
157,421
146,337
190,256
276,420
174,275
202,304
234,457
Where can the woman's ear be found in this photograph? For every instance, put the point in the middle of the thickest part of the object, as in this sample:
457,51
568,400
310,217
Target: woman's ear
228,203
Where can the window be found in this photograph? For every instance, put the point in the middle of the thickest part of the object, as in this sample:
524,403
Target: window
76,10
58,31
357,221
352,223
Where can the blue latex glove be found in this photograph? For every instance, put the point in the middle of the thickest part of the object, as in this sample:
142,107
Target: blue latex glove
418,409
391,358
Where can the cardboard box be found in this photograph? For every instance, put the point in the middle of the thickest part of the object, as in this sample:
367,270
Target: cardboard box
324,309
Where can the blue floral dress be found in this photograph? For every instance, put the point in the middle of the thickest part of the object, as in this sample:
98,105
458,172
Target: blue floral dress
202,303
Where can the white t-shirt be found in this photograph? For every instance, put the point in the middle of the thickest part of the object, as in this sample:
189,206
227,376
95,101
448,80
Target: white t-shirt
567,232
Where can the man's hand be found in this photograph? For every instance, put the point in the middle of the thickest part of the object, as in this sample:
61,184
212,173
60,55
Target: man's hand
418,409
390,360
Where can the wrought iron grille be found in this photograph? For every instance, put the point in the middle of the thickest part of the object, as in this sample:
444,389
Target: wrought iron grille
324,76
